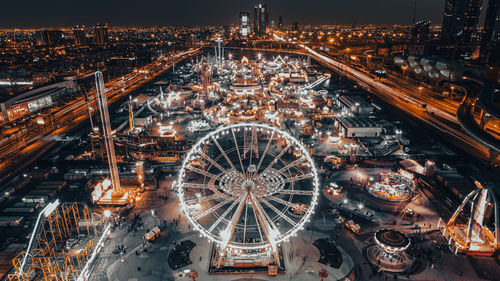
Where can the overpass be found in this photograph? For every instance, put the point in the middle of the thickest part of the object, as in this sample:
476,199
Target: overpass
486,100
465,115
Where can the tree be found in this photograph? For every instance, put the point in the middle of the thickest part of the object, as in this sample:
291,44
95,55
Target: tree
323,274
193,275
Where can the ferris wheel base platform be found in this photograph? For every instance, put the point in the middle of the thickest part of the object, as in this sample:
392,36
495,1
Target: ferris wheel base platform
244,264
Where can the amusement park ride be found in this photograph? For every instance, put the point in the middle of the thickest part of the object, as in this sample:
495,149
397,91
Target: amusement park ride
238,193
479,234
63,245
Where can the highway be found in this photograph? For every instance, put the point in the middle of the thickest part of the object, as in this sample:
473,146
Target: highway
61,119
486,101
465,115
422,109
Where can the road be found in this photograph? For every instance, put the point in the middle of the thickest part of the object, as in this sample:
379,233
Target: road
63,118
428,113
465,115
486,100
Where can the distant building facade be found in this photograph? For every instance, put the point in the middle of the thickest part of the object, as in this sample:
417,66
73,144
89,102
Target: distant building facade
79,36
244,24
261,19
460,18
101,34
491,32
47,37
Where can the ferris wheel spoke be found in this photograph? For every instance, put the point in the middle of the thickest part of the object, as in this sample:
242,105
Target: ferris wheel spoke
223,153
221,217
266,223
212,209
245,223
238,151
270,230
295,163
265,151
211,187
201,172
199,185
229,231
204,199
296,192
258,224
296,178
276,159
281,201
280,213
212,161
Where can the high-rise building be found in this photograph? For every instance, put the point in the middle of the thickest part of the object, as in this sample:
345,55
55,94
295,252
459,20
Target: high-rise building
280,22
494,55
460,19
101,34
79,35
261,19
42,38
244,24
227,31
46,37
491,20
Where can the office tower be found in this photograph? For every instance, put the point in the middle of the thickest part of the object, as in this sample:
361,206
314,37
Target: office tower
261,19
79,35
244,24
42,38
101,34
280,23
295,27
460,18
494,55
227,31
46,37
491,19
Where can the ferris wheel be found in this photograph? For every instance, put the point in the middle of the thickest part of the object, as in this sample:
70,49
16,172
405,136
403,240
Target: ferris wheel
248,187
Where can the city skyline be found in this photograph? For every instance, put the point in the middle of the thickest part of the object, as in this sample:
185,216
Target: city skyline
281,140
196,12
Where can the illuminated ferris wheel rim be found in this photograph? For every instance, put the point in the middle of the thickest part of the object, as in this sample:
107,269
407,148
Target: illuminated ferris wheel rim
241,245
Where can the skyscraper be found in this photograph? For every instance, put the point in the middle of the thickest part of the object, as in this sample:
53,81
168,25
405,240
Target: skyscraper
460,18
490,20
79,35
46,37
42,38
261,19
244,24
101,34
280,23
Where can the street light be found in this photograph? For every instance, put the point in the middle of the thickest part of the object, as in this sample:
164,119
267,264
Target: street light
420,89
452,90
404,67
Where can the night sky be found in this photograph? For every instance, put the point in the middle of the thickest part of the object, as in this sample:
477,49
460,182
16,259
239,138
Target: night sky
41,13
